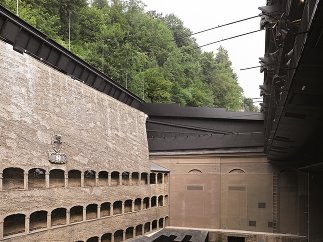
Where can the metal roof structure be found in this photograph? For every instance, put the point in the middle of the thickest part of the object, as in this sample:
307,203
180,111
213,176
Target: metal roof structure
293,104
171,127
156,167
26,39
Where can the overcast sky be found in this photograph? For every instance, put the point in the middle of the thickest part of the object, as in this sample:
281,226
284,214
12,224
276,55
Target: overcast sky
204,14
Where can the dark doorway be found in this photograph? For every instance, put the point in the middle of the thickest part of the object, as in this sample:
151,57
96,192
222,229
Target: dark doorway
236,239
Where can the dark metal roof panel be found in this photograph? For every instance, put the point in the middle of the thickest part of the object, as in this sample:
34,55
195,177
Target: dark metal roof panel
175,110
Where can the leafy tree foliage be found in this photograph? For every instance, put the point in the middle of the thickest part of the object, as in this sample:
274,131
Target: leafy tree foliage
150,54
249,106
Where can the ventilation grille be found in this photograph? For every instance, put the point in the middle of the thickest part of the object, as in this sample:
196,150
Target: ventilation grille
237,188
194,188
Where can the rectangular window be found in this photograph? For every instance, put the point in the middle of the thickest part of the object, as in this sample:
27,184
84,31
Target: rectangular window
261,205
236,188
194,187
252,223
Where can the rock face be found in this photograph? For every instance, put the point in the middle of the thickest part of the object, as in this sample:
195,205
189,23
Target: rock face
102,150
38,102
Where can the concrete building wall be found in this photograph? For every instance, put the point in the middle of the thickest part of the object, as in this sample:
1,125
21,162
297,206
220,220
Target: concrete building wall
220,191
104,187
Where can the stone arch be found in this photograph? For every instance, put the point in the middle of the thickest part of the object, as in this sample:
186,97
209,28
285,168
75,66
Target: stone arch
144,178
117,207
152,178
76,214
166,200
128,206
74,178
147,227
115,178
118,236
103,178
195,171
38,220
89,178
146,203
129,233
139,229
106,237
153,201
12,178
14,224
58,217
166,221
91,211
236,171
125,178
166,178
135,178
160,201
36,178
159,178
93,239
161,223
154,225
56,178
137,204
105,209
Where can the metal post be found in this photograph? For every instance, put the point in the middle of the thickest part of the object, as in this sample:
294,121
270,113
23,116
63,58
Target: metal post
17,8
69,31
308,206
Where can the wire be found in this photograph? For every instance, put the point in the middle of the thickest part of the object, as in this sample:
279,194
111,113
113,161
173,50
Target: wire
223,25
232,37
248,68
189,127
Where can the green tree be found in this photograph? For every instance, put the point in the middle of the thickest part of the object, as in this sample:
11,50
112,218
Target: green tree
151,54
248,105
154,86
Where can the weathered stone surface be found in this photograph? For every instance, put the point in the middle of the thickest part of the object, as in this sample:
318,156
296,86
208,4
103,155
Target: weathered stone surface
98,133
38,102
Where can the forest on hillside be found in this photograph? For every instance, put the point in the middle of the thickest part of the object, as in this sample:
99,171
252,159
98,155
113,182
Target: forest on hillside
150,54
